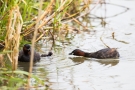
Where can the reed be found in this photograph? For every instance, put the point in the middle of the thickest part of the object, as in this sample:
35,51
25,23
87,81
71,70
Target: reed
12,38
51,20
21,19
33,42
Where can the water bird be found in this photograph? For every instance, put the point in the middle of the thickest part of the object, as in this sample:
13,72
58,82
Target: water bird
100,54
24,54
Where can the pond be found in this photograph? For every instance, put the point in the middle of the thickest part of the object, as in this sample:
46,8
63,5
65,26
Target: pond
111,24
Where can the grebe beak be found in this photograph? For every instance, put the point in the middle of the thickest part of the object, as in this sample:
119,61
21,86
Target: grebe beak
71,53
28,49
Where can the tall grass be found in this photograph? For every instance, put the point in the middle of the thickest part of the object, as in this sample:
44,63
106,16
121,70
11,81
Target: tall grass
18,20
21,19
12,38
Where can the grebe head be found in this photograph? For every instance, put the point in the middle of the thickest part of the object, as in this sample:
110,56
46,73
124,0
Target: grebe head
26,49
77,52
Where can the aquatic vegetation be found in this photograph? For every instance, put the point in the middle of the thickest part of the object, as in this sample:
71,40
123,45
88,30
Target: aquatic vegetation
12,80
26,21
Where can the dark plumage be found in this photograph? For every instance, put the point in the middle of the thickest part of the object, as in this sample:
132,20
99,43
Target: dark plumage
24,55
101,54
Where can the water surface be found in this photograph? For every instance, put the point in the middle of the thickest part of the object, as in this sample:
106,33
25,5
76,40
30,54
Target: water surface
78,73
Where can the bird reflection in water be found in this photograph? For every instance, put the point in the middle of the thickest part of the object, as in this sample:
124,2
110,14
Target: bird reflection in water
111,62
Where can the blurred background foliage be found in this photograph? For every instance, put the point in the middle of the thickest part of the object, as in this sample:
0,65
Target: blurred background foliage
17,24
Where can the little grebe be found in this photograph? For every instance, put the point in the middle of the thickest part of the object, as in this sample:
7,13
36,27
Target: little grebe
101,54
24,55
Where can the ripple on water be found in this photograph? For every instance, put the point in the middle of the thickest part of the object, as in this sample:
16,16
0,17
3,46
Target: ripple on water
65,72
